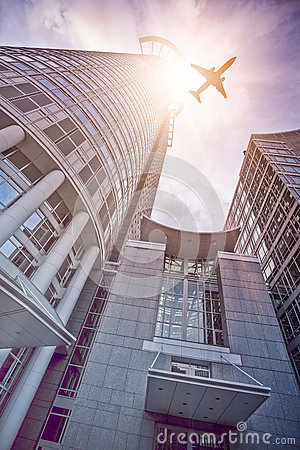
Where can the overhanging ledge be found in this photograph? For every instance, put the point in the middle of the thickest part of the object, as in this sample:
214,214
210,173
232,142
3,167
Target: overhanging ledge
26,317
202,399
189,244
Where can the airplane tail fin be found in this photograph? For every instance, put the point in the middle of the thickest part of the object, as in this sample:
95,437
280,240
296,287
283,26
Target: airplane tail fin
196,95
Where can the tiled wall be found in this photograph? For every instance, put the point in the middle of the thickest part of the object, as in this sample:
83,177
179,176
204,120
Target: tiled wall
252,330
109,411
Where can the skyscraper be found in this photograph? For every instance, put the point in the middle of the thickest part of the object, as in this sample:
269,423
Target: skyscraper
83,137
120,332
266,205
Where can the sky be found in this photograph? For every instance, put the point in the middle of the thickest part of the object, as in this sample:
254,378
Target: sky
201,169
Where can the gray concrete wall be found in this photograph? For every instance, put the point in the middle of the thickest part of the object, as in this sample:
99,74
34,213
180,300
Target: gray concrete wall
251,329
109,411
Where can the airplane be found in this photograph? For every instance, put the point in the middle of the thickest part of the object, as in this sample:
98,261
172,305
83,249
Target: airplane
213,78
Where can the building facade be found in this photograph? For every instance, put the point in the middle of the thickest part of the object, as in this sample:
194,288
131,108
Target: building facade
83,137
188,354
108,342
266,205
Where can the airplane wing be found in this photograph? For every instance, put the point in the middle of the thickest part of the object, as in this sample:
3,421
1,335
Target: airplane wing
203,72
219,86
226,65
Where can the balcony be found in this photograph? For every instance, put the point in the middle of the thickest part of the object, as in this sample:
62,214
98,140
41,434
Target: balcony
26,317
201,398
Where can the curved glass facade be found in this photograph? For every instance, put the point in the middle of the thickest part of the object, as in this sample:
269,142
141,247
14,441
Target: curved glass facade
97,114
95,131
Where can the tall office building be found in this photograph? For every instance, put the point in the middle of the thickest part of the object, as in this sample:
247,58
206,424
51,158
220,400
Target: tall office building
109,342
83,137
266,205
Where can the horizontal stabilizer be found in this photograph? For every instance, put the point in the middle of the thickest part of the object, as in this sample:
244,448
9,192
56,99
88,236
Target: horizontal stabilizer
196,95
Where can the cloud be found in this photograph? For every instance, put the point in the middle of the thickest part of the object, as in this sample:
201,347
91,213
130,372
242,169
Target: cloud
97,25
262,85
187,197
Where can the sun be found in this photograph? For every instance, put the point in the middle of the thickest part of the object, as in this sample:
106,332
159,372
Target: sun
181,78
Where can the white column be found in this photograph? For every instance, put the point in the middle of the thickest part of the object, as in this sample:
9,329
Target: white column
68,301
45,273
19,212
17,407
11,136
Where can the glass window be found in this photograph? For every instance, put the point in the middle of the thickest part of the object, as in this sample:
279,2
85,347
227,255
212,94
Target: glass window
10,372
189,368
9,190
190,307
20,66
48,84
56,424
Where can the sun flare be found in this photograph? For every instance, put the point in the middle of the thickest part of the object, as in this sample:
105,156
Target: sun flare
182,78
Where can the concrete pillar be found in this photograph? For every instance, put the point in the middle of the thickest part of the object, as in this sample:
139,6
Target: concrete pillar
67,303
15,412
19,212
11,136
45,273
19,402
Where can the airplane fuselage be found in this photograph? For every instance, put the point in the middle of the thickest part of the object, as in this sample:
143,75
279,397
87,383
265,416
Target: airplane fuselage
213,78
